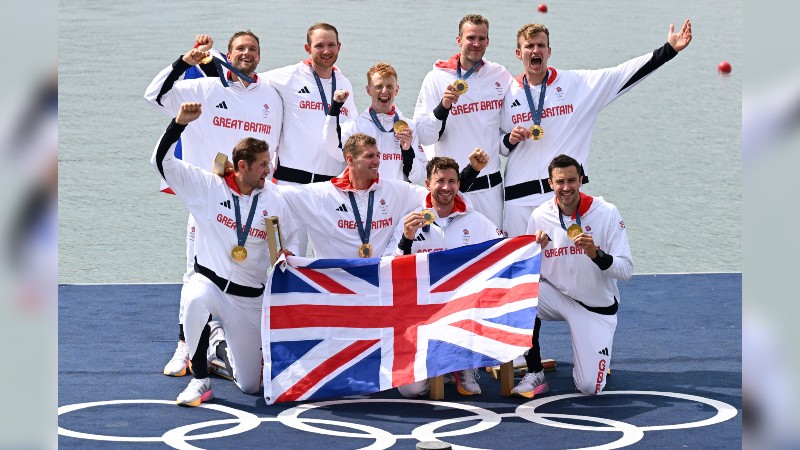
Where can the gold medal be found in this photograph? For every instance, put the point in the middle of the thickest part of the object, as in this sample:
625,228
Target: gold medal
239,253
536,132
574,230
365,251
461,86
429,216
400,125
207,59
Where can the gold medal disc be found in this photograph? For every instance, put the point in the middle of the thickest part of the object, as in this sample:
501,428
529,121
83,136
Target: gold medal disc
428,216
365,251
400,125
574,230
461,86
206,60
239,253
536,132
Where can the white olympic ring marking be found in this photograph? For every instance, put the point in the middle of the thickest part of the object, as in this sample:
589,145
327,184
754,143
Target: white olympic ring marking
176,436
245,421
724,411
291,418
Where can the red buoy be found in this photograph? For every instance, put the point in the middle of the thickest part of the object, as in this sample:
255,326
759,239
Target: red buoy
724,67
542,8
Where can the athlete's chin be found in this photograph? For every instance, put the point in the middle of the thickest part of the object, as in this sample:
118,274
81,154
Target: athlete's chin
326,62
444,199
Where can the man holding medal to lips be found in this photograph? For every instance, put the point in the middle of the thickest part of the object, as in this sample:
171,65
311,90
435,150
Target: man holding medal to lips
585,251
547,112
232,253
458,109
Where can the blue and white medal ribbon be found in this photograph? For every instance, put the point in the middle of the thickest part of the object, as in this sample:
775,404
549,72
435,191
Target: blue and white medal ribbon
536,129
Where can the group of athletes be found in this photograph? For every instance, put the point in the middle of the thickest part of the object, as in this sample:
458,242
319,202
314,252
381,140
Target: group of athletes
383,183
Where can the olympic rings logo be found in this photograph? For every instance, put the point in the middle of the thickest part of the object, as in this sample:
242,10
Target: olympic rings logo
244,421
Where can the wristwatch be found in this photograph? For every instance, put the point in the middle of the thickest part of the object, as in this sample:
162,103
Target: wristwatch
600,254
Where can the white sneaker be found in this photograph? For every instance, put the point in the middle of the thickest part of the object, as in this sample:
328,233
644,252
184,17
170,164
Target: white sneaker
533,383
198,391
179,364
467,382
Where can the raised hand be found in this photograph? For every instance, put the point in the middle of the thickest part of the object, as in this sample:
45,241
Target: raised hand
478,159
188,113
681,39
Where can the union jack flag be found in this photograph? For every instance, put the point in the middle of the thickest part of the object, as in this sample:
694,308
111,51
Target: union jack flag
337,327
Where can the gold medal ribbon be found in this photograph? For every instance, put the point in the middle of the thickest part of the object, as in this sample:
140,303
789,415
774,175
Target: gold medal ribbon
241,233
535,113
572,234
322,95
363,229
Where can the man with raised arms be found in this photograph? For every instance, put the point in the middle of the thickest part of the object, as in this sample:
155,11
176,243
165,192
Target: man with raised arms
232,253
548,112
243,109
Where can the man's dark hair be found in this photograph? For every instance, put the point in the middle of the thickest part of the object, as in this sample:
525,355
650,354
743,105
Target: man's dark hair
562,161
243,33
321,26
247,149
441,163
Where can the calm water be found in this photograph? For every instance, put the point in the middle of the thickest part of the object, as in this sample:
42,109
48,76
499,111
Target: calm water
667,153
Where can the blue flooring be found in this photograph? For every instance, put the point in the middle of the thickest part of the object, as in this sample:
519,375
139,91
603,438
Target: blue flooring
678,339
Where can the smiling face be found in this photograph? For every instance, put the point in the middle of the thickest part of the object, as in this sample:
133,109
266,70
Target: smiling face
323,46
365,164
254,175
534,52
382,89
443,185
566,183
244,54
473,40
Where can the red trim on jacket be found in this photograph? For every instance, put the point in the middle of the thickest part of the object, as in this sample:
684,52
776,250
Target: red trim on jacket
552,74
230,179
254,77
343,183
390,113
583,207
452,63
459,205
308,63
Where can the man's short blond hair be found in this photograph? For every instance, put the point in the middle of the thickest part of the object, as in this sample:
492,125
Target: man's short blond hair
357,143
532,29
